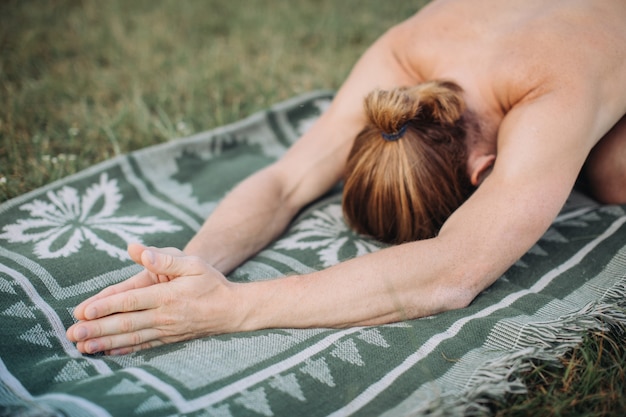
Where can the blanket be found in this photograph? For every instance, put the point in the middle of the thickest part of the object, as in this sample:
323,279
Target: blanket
66,241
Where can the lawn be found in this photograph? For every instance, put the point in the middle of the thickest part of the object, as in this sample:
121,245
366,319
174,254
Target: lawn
83,81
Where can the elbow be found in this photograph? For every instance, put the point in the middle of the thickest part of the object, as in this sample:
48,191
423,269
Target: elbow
454,298
276,180
442,296
452,290
458,290
461,299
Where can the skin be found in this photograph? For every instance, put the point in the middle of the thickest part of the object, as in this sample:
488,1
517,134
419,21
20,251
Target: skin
546,80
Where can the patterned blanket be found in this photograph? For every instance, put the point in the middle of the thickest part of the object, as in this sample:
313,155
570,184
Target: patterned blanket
66,241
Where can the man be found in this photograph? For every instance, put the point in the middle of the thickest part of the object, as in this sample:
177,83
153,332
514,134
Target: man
547,82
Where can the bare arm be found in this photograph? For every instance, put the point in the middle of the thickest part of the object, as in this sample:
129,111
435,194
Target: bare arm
252,215
537,166
538,163
541,147
259,209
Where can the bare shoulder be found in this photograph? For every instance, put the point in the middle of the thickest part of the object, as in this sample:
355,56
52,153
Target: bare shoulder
577,46
505,52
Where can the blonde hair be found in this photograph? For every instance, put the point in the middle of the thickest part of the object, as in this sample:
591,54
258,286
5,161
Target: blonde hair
404,188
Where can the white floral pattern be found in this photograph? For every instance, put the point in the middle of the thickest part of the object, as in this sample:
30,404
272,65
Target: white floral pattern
61,225
327,233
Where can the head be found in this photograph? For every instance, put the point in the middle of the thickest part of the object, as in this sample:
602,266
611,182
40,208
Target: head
407,170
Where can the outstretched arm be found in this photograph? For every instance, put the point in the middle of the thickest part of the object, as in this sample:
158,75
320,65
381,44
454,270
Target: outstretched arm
257,210
542,144
537,165
538,162
260,208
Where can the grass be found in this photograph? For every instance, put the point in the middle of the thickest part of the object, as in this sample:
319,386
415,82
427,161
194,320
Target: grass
589,381
83,81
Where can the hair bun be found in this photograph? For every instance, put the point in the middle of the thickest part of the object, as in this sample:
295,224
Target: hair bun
441,101
435,101
389,110
406,191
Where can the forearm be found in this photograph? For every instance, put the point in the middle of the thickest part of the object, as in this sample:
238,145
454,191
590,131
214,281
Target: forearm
398,283
259,209
411,280
252,215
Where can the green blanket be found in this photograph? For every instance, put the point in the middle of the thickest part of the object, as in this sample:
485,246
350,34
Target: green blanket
66,241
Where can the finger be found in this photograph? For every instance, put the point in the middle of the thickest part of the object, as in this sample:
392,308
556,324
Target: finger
164,263
131,349
134,251
140,280
132,300
141,339
111,325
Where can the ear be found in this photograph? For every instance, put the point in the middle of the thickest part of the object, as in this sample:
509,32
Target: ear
480,168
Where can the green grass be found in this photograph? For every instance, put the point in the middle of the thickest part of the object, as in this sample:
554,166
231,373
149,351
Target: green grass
588,381
83,81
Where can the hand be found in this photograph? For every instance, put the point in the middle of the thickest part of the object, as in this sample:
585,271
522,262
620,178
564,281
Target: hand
176,297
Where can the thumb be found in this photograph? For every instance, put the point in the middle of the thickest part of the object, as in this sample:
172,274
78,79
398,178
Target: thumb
135,250
172,266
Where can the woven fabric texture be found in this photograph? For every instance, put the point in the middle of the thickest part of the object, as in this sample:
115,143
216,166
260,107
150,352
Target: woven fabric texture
66,241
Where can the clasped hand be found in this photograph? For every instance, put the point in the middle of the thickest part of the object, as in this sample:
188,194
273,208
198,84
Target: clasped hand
176,297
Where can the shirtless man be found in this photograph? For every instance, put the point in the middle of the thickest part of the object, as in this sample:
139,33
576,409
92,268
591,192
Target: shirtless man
547,81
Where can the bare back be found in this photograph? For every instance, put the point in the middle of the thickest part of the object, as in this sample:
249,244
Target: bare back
504,53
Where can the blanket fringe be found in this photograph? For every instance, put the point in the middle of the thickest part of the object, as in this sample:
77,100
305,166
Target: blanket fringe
545,342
